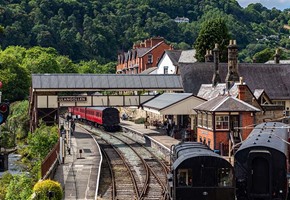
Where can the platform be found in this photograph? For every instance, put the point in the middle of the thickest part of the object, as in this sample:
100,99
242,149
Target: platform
79,174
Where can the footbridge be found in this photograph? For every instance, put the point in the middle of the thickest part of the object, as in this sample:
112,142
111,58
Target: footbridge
51,92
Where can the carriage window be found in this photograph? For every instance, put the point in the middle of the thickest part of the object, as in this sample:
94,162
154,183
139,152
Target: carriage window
184,178
225,177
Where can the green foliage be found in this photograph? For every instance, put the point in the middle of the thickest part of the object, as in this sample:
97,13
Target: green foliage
20,187
37,147
264,56
42,188
212,31
4,183
140,120
18,120
89,30
42,141
11,70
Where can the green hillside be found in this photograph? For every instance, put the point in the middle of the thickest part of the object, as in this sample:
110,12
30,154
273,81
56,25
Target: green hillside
97,30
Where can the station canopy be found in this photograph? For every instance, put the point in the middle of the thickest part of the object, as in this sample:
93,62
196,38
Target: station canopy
102,82
173,104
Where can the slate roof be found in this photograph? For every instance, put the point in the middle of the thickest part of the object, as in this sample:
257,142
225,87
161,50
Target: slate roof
167,99
273,78
141,51
187,56
149,70
206,91
258,93
174,55
226,103
93,82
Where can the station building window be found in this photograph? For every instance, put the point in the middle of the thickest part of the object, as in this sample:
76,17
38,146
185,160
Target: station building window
222,122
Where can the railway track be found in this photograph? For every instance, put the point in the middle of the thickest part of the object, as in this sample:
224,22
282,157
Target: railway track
148,173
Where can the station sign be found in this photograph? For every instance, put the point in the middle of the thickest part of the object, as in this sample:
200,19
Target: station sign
71,99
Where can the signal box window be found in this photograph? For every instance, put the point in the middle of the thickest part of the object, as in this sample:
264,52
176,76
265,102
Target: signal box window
222,122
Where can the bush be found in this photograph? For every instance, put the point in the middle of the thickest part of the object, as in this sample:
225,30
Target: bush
48,187
140,120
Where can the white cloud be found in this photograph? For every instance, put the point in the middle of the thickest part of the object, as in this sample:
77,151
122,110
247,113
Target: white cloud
279,4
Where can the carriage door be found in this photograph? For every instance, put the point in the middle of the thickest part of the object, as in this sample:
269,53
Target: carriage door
259,175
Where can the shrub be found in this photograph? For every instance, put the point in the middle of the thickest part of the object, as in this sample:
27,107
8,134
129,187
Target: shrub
42,190
140,120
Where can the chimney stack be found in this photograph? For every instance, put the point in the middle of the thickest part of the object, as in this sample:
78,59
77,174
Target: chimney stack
277,57
208,56
216,76
233,75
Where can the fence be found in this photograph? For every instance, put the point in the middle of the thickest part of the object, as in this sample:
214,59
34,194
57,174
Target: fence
50,160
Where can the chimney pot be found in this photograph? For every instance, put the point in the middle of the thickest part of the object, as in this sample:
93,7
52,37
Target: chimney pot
241,80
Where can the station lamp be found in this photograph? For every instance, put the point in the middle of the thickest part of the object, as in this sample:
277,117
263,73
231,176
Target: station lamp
4,112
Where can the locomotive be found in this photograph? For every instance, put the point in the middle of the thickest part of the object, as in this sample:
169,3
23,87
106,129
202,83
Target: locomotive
199,173
105,117
261,163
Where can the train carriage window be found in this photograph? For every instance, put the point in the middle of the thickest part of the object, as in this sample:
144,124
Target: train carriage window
225,177
184,178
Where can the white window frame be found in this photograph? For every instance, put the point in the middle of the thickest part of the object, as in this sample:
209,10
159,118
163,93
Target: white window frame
150,58
222,119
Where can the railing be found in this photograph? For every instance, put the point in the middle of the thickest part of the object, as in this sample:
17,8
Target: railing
50,160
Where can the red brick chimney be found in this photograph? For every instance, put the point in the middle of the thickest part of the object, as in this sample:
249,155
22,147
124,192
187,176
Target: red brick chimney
156,40
147,43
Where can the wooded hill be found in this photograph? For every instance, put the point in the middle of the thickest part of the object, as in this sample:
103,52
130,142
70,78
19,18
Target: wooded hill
87,29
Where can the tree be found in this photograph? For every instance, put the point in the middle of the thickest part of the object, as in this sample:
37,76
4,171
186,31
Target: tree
19,188
212,31
264,56
11,70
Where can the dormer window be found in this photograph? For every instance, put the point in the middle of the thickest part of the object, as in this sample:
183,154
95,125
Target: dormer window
150,58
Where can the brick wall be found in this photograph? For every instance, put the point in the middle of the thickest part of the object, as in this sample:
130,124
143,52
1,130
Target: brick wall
247,122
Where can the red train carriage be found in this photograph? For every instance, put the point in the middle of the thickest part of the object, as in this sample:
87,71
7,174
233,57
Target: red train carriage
106,117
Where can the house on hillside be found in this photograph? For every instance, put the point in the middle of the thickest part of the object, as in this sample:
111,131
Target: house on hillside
181,20
143,56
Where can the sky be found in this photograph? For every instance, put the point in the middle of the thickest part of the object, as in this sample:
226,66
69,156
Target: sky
279,4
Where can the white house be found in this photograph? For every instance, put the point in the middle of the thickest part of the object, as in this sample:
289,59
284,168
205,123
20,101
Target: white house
168,62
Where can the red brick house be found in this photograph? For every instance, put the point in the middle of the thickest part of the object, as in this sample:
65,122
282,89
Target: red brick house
143,56
219,121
